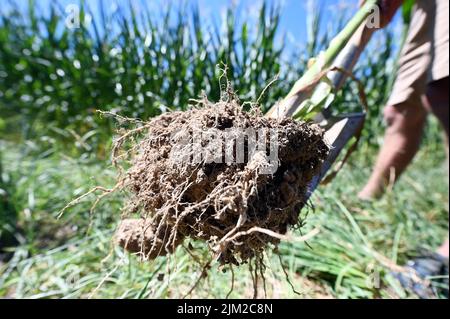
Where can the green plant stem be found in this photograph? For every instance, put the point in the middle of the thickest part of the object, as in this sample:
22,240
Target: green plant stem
335,47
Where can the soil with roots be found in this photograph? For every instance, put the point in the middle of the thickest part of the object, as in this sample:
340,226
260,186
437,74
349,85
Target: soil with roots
182,185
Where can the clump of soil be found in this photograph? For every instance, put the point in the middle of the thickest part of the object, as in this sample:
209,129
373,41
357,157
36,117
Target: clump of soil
232,205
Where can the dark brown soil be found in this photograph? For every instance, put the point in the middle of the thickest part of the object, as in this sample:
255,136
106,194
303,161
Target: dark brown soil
229,206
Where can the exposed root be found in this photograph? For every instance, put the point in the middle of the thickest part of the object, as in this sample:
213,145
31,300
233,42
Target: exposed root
203,274
286,275
92,191
188,179
232,282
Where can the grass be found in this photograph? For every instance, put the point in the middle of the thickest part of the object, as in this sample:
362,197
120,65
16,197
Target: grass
57,258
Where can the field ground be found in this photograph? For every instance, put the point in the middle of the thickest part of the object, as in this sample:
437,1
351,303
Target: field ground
62,258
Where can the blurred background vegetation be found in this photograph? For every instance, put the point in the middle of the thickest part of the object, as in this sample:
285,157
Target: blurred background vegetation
139,63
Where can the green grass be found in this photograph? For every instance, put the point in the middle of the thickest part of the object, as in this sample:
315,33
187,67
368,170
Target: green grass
58,259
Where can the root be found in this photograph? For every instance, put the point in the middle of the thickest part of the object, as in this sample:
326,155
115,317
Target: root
203,274
77,200
182,188
286,275
303,238
232,282
235,180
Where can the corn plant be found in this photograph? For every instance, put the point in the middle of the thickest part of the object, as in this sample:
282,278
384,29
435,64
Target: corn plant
129,62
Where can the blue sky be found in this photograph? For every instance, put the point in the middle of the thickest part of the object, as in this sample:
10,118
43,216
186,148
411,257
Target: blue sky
294,13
